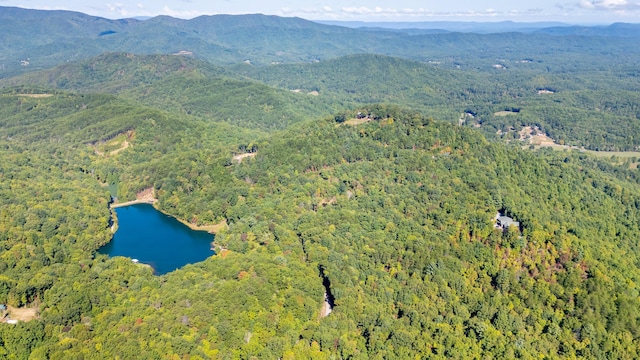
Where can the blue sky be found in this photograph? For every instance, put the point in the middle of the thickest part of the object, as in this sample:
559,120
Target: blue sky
572,11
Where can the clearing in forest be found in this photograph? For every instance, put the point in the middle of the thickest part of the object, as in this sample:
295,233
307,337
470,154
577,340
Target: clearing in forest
355,122
112,147
212,229
504,113
36,96
536,137
146,196
22,314
238,158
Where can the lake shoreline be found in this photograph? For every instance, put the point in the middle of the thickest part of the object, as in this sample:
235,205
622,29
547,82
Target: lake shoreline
133,202
149,236
211,229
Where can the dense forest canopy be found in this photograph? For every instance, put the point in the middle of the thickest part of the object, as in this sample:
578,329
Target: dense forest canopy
367,175
592,108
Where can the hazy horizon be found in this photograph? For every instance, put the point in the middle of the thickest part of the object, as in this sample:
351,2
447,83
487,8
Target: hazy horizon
577,12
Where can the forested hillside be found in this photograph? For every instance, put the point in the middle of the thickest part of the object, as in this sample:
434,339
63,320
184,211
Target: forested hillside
364,174
577,84
591,108
596,109
396,211
185,86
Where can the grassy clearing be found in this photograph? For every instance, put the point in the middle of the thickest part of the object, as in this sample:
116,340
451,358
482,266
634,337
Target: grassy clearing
114,146
543,141
504,113
36,96
212,229
355,122
620,154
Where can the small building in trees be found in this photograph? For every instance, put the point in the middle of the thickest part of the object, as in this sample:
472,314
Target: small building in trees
504,222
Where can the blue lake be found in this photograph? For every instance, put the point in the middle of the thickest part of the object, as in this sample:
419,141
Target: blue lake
156,239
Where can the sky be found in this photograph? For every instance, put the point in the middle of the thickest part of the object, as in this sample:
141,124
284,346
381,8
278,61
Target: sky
570,11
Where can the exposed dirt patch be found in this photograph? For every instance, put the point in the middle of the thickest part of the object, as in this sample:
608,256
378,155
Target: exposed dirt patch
112,147
36,96
22,314
215,228
326,308
356,122
238,158
325,202
542,140
125,145
146,196
535,136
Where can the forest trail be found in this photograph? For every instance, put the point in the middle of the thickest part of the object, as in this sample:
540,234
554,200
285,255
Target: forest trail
125,145
121,141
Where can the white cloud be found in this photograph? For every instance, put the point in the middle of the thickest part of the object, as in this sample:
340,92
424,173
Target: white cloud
323,12
363,10
609,5
182,14
377,13
117,8
586,4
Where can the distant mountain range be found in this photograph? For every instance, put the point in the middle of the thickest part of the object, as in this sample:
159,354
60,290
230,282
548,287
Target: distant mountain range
451,26
36,39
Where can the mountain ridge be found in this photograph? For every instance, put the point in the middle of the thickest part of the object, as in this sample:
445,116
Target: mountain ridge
50,38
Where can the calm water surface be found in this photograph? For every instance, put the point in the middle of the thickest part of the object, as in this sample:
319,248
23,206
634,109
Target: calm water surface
157,239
